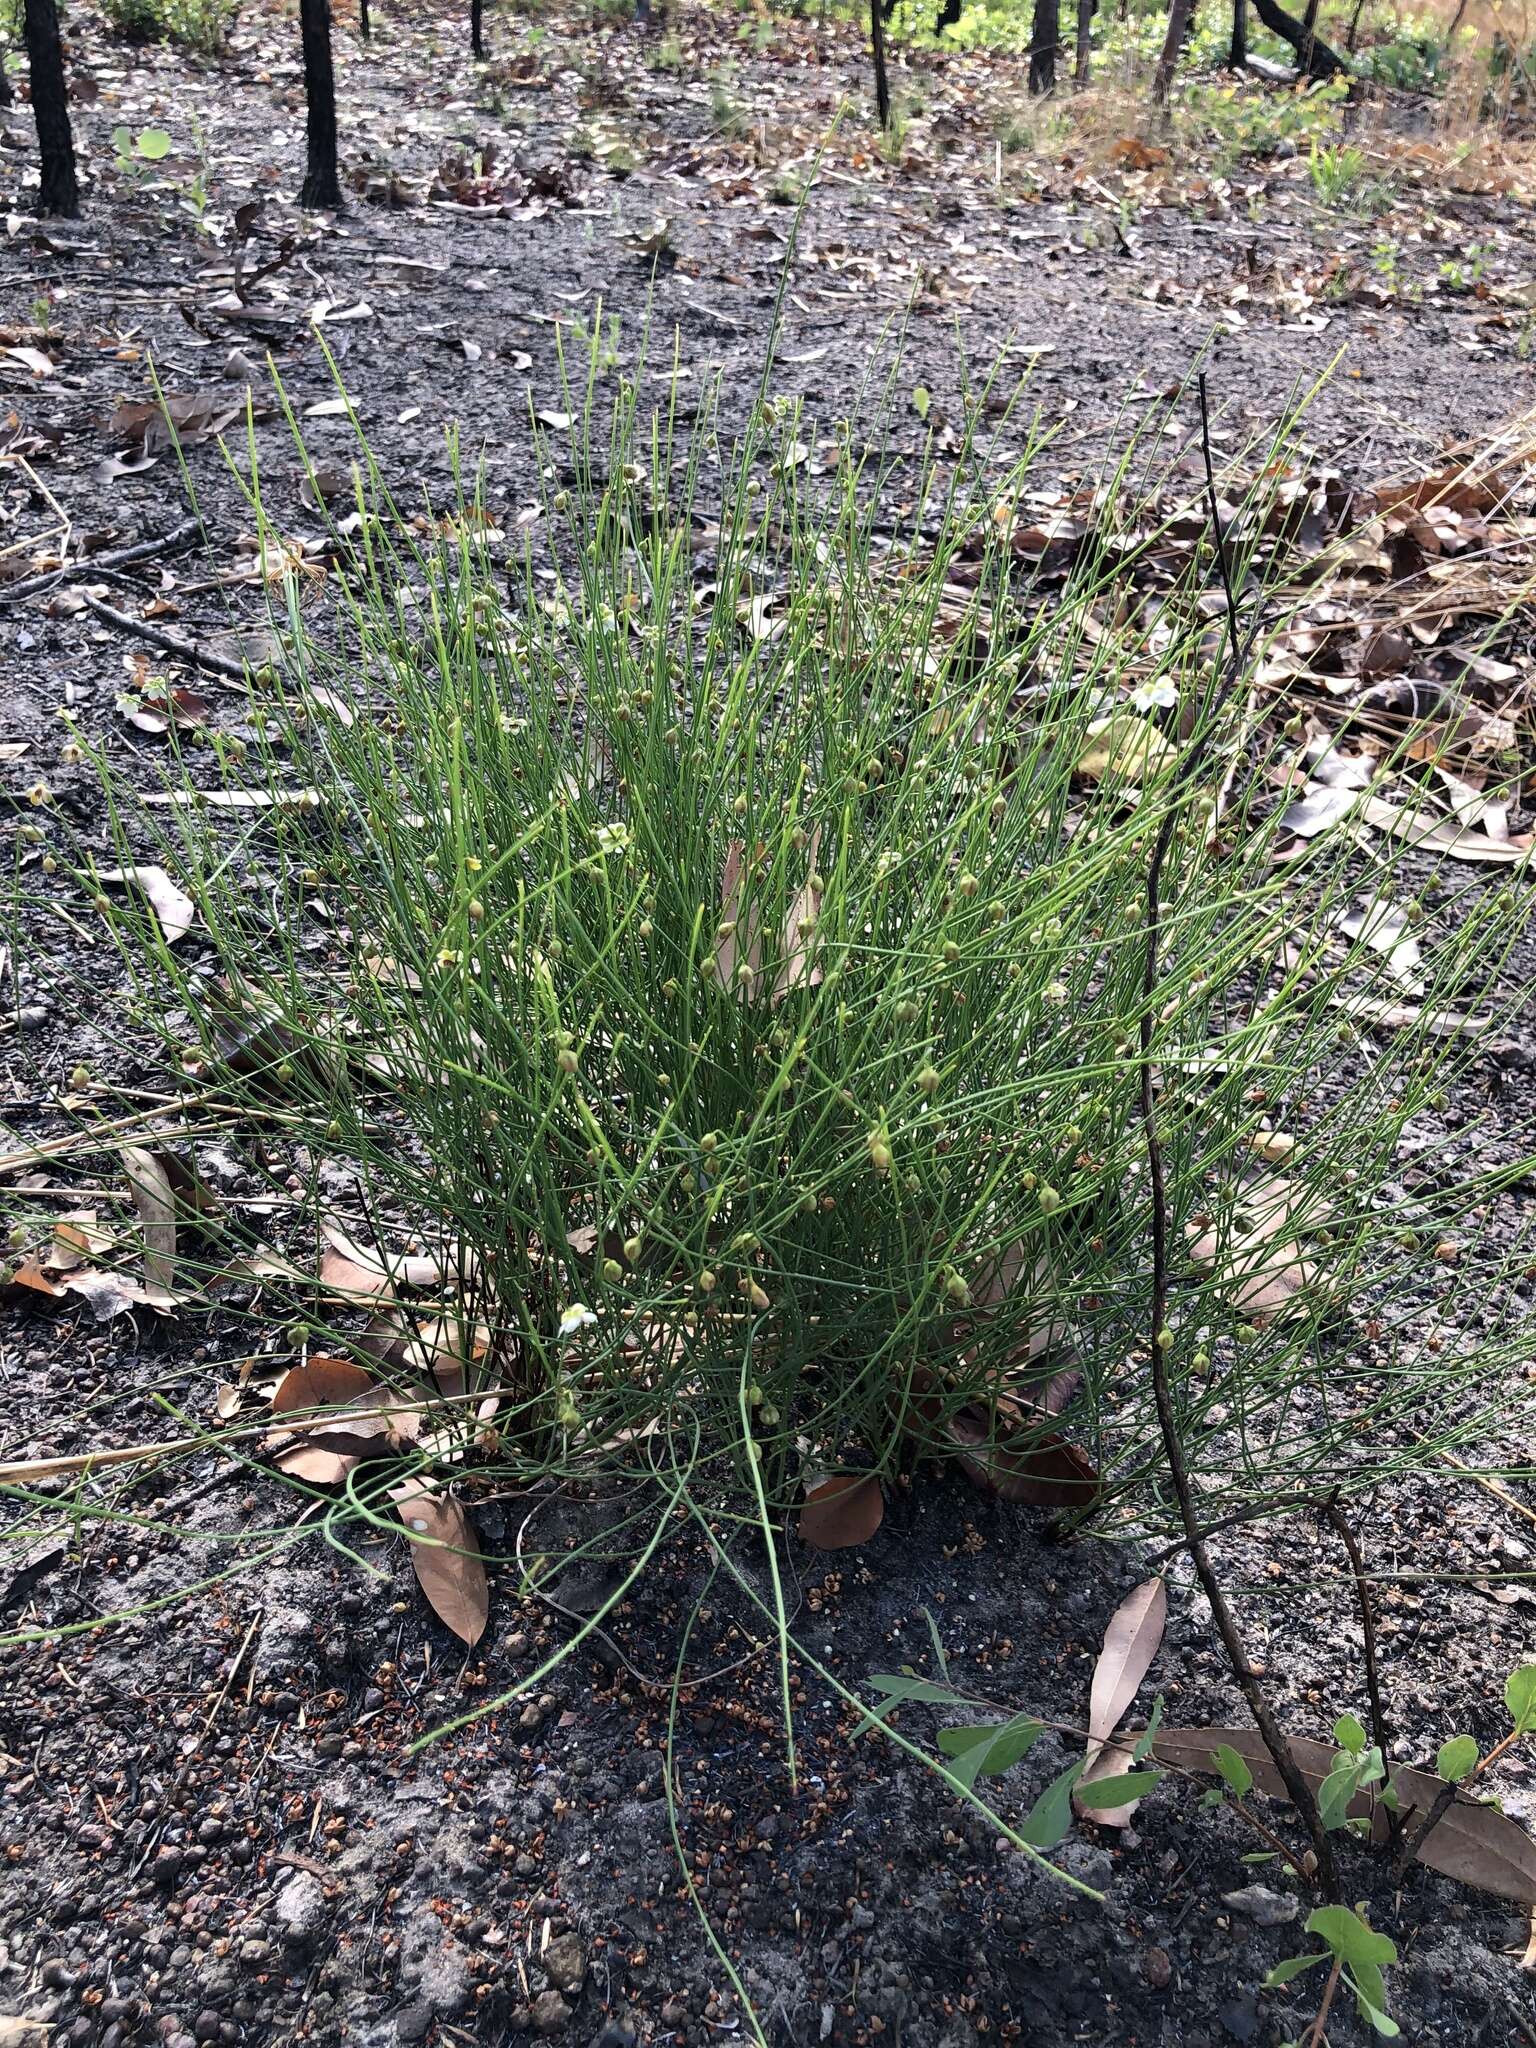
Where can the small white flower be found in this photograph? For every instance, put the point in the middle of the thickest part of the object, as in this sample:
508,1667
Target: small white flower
613,839
1058,992
577,1317
1159,696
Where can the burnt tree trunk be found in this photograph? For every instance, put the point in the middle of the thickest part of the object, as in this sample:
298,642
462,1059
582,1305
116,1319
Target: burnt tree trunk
1085,12
1320,61
60,190
6,97
364,21
477,28
321,187
882,82
948,15
1237,56
1042,46
1173,44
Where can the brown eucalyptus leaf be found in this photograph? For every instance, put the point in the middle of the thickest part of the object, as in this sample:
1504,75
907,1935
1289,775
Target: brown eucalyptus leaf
153,1197
350,1267
1048,1473
842,1512
321,1383
797,947
446,1554
1477,1845
314,1465
743,944
1130,1643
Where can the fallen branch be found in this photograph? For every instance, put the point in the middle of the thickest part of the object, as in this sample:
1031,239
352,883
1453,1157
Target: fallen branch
116,558
171,643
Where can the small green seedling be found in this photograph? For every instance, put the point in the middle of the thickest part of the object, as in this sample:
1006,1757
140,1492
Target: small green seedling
138,155
1358,1766
974,1750
1357,1954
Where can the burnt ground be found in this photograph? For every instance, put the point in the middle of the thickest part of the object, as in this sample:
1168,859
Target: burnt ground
213,1824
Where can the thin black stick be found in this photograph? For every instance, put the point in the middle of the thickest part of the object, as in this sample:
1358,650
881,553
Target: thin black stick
1221,1613
1334,1517
173,643
117,558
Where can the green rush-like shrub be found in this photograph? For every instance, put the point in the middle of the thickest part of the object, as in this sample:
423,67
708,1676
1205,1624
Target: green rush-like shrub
711,927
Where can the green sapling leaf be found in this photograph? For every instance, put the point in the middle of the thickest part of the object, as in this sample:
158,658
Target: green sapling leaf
993,1747
1349,1734
1233,1768
1117,1791
1520,1698
1050,1818
1282,1973
1457,1759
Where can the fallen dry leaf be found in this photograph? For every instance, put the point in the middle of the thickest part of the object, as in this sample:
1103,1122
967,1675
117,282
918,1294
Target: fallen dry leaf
446,1554
320,1383
1476,1845
741,946
841,1512
1130,1643
797,946
174,909
1048,1473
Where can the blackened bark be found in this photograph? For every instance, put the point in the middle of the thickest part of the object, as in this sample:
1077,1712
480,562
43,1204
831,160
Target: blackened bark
364,21
1322,62
321,187
1085,14
1173,43
1042,46
477,28
6,96
60,190
1237,56
948,15
882,82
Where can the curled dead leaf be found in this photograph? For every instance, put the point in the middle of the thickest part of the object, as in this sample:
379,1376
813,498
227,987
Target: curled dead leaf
446,1554
841,1512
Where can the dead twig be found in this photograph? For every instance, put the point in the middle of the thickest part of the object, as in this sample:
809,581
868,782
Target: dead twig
171,643
116,558
1182,780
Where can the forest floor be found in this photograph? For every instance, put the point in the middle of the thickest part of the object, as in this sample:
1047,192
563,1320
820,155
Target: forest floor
213,1824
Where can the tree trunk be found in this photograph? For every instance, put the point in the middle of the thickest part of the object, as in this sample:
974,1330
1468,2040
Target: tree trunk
1085,10
364,22
1322,62
1042,46
948,15
6,96
1173,44
1238,56
477,28
882,82
321,187
60,192
1353,38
